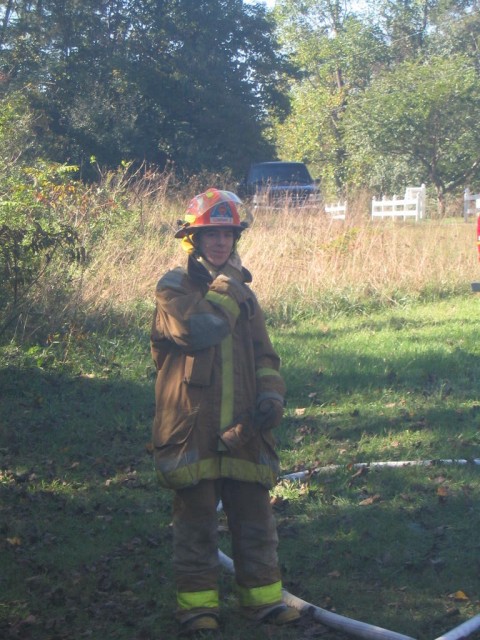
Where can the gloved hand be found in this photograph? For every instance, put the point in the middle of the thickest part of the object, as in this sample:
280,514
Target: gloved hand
236,436
231,281
268,414
231,287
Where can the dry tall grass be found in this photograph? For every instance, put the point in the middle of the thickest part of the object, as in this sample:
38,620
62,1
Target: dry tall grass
300,260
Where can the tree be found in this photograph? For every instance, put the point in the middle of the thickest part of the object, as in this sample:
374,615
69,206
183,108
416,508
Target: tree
420,28
405,25
457,29
424,115
336,54
192,81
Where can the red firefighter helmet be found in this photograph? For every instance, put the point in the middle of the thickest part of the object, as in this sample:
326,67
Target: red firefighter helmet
210,209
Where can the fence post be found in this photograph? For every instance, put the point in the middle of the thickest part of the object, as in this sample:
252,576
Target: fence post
422,201
466,204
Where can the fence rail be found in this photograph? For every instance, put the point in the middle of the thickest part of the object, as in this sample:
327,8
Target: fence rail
411,206
336,211
471,204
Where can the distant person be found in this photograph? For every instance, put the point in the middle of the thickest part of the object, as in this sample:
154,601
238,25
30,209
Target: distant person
218,396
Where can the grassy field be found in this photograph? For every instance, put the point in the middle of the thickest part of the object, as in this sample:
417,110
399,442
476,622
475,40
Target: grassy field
378,334
85,536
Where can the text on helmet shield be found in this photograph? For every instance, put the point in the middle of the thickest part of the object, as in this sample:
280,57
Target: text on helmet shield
221,214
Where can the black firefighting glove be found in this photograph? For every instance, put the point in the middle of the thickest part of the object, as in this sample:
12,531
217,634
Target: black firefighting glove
269,412
231,281
236,436
234,289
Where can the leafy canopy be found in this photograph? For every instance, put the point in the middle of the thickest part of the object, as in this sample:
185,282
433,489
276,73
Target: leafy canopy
424,114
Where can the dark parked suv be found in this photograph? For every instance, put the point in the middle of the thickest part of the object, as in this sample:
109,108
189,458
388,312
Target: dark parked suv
280,184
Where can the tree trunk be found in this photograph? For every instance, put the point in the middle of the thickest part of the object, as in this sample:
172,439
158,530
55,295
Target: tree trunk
6,18
441,203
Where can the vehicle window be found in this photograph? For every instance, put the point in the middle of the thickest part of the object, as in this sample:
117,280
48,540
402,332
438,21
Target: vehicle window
283,173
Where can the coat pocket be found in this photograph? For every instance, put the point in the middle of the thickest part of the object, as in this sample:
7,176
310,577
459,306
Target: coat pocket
172,428
198,368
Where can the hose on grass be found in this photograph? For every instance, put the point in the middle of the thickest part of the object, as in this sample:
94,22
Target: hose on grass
299,475
462,631
328,618
348,625
355,627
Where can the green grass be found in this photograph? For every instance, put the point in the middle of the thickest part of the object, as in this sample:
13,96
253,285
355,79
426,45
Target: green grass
85,541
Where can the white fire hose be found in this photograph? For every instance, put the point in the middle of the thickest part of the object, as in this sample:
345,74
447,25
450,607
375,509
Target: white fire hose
462,631
299,475
342,623
355,627
329,619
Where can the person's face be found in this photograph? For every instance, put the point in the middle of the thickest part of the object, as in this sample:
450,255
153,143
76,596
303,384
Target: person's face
216,245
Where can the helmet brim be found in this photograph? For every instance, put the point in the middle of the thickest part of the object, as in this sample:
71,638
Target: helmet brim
186,231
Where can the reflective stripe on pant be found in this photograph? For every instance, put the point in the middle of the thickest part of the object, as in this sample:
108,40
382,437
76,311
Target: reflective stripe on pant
254,545
195,550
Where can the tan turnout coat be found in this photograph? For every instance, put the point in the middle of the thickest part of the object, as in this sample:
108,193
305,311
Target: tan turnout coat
214,363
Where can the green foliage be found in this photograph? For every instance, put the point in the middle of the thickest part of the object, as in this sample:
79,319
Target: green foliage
336,54
396,548
418,28
16,131
31,229
424,114
406,25
344,58
456,29
49,221
129,81
120,81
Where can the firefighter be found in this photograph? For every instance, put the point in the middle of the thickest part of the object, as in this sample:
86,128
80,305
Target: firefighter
218,395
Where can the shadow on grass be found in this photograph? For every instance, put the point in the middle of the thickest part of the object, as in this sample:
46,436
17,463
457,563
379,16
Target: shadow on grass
420,365
85,540
388,548
85,537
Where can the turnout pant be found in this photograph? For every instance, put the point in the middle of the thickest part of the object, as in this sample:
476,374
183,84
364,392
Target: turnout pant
254,546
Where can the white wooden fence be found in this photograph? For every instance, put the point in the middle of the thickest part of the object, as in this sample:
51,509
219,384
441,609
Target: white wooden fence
336,211
411,206
471,204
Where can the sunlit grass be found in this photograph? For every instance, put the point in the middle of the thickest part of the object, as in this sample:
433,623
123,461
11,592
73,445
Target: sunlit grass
378,335
86,523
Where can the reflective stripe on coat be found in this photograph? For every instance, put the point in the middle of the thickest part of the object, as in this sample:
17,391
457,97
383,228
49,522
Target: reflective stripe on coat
213,358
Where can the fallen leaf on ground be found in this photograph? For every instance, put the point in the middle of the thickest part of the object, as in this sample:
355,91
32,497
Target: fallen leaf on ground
361,472
370,500
149,447
334,574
